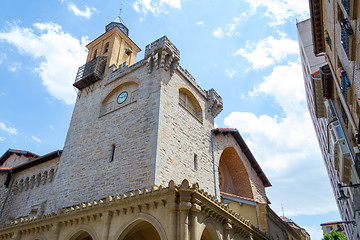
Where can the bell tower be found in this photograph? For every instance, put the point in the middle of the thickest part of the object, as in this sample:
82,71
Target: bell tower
112,48
135,124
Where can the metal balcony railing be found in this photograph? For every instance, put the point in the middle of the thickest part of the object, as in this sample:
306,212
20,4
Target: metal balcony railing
346,4
345,39
90,73
346,31
343,113
344,84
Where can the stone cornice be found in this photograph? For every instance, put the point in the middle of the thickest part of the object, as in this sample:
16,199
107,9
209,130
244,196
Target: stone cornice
133,202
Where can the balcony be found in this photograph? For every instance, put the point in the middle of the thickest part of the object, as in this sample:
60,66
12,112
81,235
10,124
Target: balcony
346,4
345,83
317,87
346,31
90,73
327,81
339,150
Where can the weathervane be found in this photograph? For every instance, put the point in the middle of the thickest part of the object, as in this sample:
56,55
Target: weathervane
120,9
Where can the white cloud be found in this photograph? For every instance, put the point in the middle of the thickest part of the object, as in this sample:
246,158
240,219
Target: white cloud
200,23
218,33
77,12
51,127
14,66
10,130
229,29
59,55
268,51
314,231
279,11
155,7
36,139
3,57
2,138
230,72
283,145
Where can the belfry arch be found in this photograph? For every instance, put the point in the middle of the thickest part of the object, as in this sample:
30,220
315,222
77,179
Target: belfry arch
233,176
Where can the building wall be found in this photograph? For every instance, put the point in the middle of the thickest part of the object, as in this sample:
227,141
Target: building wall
3,189
15,160
347,108
87,170
222,142
30,191
172,212
183,137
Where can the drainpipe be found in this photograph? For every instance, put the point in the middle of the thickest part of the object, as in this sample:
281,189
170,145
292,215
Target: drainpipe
8,193
213,158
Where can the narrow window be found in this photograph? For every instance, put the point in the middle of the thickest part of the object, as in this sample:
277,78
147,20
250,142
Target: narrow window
112,153
196,162
106,49
95,53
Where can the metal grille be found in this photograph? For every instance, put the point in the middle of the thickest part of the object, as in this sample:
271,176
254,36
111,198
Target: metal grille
95,66
346,4
344,84
343,113
344,38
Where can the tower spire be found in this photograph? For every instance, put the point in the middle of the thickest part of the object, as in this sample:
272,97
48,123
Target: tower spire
119,23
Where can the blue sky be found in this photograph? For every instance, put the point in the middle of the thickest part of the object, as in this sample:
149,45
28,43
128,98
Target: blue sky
245,49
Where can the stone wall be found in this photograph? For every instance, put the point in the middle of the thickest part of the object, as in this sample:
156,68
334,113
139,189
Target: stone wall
15,160
223,141
183,137
30,191
88,169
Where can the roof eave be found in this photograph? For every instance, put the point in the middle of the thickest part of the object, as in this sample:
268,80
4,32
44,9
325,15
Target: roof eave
317,26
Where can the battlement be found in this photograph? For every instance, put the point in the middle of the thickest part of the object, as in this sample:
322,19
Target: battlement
162,44
162,54
216,102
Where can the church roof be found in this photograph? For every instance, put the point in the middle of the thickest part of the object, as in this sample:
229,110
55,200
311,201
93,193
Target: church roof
254,164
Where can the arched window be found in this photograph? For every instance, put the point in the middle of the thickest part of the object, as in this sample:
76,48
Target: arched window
189,102
106,49
95,54
120,97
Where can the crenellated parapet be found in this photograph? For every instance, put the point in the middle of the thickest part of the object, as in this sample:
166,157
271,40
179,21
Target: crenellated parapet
162,54
215,102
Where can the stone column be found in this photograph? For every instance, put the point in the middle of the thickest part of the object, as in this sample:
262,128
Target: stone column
227,227
184,207
55,230
195,209
106,219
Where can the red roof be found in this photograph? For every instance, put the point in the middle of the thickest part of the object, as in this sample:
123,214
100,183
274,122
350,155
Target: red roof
233,195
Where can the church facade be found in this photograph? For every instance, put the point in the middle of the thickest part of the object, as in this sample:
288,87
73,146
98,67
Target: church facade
141,160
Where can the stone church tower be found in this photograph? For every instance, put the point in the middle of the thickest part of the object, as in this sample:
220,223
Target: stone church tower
141,160
136,125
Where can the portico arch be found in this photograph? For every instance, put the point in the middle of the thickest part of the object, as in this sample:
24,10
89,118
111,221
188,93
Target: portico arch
208,231
233,176
82,232
143,227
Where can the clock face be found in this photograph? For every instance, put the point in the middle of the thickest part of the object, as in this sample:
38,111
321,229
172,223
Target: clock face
122,97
